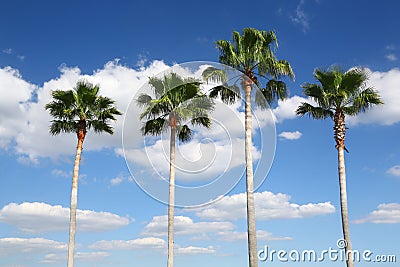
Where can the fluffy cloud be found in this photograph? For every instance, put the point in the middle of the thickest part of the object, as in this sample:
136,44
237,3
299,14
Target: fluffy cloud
41,217
13,104
184,226
140,243
388,86
395,170
30,245
268,206
290,135
287,109
385,213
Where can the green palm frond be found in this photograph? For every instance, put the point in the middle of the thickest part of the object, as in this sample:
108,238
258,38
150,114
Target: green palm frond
314,112
63,126
363,101
185,134
154,127
228,94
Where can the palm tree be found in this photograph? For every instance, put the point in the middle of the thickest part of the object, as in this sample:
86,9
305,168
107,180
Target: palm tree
339,94
176,102
252,54
78,111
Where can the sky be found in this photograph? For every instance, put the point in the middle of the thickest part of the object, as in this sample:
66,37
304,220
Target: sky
121,217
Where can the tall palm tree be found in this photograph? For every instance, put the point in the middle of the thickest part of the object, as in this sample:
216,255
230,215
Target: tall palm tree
252,54
338,94
176,101
78,111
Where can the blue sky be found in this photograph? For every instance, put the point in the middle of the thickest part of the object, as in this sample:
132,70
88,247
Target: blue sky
51,45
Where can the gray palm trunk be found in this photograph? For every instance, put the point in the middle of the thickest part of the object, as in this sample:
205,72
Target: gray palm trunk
251,216
74,201
344,207
340,135
171,201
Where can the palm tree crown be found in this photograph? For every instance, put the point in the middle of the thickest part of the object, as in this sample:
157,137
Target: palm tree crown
338,94
252,54
81,109
176,101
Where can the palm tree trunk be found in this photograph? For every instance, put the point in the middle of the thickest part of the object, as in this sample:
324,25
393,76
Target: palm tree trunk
171,202
251,216
74,200
340,134
344,207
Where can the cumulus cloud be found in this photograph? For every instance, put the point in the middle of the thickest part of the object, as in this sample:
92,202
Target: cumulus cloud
268,206
30,245
41,217
13,105
395,170
385,214
287,109
140,243
290,135
184,226
388,86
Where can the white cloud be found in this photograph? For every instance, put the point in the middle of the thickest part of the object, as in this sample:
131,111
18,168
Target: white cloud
395,170
388,86
8,51
240,236
79,256
41,217
290,135
191,250
184,226
287,109
30,245
268,206
140,243
15,93
391,57
117,180
61,173
385,213
301,17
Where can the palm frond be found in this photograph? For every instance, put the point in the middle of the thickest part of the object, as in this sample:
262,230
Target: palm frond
363,101
154,127
63,126
228,94
185,134
212,74
314,112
